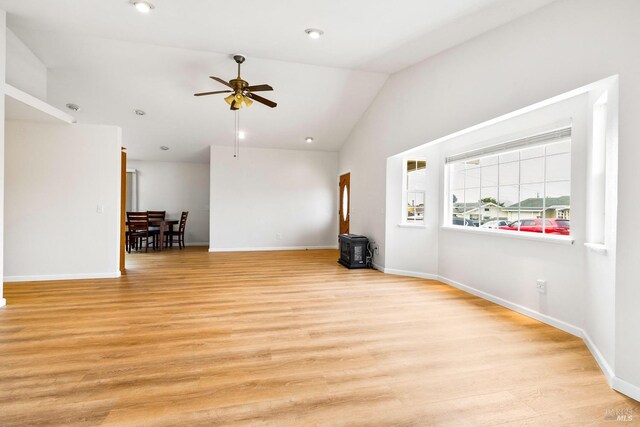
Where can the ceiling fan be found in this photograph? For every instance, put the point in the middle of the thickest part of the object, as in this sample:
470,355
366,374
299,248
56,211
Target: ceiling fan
240,91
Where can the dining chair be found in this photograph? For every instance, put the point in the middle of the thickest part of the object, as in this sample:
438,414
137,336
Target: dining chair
138,230
154,230
178,234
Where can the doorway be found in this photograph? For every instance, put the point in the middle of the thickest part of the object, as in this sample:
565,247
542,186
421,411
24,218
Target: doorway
345,203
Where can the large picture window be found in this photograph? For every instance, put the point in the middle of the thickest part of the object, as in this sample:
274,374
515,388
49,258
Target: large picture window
521,186
414,191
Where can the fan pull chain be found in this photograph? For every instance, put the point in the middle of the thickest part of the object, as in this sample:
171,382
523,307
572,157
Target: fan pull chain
236,145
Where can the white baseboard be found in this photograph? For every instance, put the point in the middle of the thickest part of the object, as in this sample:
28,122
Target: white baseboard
626,388
557,323
272,248
602,362
3,302
48,277
417,274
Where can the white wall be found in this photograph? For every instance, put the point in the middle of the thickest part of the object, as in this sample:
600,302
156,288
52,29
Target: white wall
504,267
57,177
175,187
3,63
272,198
24,70
600,268
558,48
413,249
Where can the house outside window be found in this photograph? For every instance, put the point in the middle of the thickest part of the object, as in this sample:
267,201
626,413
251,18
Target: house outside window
414,191
524,180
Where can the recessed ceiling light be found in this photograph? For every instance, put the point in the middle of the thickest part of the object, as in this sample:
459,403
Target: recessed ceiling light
142,6
314,33
73,107
139,112
241,135
308,140
164,148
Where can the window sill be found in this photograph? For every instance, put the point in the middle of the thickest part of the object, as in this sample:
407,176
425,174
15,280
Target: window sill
598,248
407,225
562,240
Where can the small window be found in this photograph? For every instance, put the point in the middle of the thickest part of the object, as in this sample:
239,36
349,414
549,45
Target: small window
414,191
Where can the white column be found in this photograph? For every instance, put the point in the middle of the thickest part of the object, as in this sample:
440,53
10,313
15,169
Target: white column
3,66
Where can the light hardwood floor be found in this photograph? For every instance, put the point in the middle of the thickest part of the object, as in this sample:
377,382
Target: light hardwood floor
283,338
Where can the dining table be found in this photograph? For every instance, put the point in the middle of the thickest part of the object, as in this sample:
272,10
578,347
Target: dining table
163,225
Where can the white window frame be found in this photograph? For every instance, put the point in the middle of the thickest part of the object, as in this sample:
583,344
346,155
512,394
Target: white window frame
405,195
511,146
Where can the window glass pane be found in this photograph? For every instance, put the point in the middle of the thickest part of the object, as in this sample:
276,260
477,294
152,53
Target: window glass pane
489,199
559,201
560,147
416,175
415,206
532,170
457,176
489,195
512,156
472,200
416,180
508,200
473,178
509,173
531,153
531,201
559,167
488,161
489,175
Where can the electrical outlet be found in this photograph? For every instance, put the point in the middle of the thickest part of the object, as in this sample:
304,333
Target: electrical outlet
279,236
541,286
100,209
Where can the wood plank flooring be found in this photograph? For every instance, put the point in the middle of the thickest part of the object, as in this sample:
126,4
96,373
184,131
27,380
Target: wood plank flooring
283,338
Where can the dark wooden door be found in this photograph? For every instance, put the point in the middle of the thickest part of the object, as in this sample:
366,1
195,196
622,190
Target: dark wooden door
345,203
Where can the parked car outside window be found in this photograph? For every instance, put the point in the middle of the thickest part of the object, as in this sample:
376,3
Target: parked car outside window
495,224
463,221
551,226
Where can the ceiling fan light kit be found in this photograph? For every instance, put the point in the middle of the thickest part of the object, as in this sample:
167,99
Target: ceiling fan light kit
240,93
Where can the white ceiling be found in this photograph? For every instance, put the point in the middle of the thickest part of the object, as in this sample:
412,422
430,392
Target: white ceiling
110,59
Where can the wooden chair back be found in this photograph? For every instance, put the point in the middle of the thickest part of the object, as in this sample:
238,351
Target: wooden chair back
138,221
157,215
183,222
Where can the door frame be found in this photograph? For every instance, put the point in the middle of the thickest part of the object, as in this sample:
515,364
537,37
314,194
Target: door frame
123,207
346,179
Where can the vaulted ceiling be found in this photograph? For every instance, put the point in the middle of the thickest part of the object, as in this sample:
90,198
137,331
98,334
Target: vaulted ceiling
110,59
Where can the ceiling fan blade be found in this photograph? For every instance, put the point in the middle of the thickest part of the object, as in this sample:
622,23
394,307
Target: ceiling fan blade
211,93
233,105
218,79
262,100
259,88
